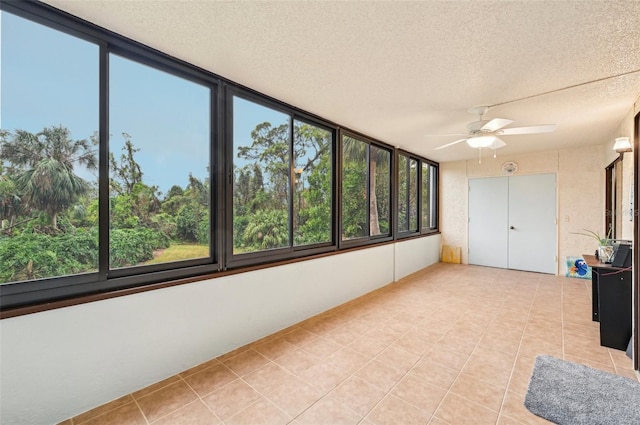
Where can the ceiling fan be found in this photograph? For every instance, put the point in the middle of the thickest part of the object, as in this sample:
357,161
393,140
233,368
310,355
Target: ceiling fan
484,133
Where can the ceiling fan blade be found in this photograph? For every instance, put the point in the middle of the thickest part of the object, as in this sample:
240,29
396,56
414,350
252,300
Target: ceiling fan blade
447,135
451,144
496,124
529,130
497,144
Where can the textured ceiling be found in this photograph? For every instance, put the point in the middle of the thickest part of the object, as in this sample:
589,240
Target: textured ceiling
399,70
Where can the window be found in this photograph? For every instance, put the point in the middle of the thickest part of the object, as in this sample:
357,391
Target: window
48,153
407,194
114,173
159,190
366,183
312,184
261,147
282,181
87,204
428,196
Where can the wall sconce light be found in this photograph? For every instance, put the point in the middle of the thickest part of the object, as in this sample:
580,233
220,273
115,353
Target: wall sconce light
622,145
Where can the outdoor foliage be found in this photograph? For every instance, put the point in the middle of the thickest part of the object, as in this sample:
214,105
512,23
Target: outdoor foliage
49,214
263,186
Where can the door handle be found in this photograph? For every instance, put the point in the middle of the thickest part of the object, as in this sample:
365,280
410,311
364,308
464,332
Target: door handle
512,228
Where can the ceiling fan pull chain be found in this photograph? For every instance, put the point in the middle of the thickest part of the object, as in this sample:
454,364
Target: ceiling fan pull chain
479,155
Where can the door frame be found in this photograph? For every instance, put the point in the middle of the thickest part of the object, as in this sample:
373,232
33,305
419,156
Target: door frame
636,244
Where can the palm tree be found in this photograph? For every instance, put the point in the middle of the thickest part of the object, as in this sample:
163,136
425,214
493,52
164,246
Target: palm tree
43,167
352,149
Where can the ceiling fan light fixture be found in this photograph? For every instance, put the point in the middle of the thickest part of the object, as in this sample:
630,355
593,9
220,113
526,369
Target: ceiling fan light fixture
622,145
481,141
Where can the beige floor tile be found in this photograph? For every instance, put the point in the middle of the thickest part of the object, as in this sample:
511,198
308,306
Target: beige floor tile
246,362
434,373
297,361
210,379
380,375
127,414
450,359
513,408
342,336
155,387
392,411
166,400
195,413
437,421
357,394
398,358
198,368
324,376
295,396
328,411
519,383
504,420
460,411
321,347
369,346
268,378
347,360
274,348
262,412
231,399
419,393
105,408
483,393
299,336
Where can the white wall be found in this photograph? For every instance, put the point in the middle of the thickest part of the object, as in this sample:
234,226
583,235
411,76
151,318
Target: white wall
580,192
59,363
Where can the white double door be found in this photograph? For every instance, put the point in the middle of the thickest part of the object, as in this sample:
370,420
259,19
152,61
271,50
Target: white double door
512,222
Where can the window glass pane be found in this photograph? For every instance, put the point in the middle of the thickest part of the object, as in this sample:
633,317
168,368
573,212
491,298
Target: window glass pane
312,184
413,195
261,170
354,188
380,194
403,218
48,152
158,161
426,196
433,191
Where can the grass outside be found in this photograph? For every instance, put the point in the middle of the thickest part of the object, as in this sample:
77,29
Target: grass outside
177,252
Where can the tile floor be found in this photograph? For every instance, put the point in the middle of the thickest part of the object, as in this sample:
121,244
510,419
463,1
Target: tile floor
451,344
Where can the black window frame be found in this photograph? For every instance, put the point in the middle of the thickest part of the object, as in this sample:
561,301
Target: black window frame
410,157
37,295
367,239
40,291
233,261
434,169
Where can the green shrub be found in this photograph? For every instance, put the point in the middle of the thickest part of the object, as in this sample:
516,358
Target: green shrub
30,256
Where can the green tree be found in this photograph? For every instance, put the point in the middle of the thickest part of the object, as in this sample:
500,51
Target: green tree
42,166
353,150
126,173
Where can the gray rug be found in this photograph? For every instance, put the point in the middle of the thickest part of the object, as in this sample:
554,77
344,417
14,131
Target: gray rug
572,394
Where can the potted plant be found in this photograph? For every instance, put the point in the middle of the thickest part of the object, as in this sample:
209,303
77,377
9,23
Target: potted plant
605,244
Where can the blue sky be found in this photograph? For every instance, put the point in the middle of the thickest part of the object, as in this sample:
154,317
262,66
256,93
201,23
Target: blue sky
51,79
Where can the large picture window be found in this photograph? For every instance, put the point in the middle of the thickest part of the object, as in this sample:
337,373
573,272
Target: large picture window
282,180
48,152
428,197
122,169
159,190
407,194
366,185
